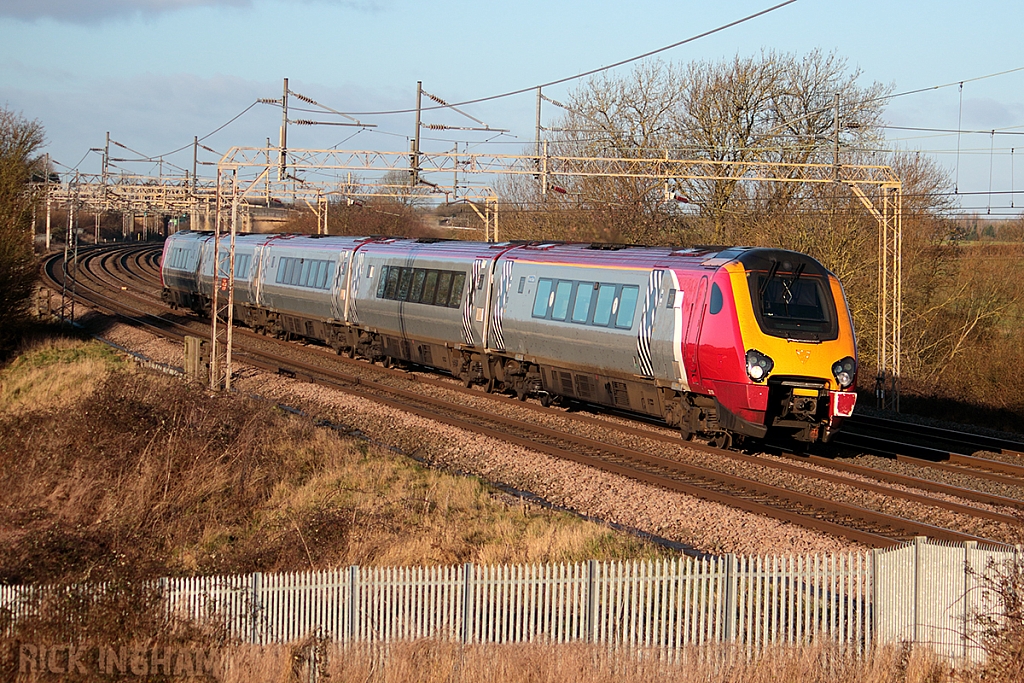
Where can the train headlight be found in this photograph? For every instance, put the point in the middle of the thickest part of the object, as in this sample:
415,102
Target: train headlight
844,371
758,365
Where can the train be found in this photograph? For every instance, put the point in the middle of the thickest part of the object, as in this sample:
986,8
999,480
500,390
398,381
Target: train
727,343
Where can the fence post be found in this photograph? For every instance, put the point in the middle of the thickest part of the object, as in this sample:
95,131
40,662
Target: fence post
876,612
256,605
919,580
352,627
968,547
467,598
730,597
592,601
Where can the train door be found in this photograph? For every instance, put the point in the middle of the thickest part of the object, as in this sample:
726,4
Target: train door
694,319
474,308
339,290
355,279
256,276
667,337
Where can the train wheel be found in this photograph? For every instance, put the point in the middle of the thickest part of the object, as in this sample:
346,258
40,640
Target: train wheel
722,440
545,400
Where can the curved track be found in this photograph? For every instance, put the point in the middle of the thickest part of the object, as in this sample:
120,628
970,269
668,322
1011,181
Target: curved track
124,281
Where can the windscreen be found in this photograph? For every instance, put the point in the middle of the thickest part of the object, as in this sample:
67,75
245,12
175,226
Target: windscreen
792,298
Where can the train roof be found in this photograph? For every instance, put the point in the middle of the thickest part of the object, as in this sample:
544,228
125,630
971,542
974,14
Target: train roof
569,253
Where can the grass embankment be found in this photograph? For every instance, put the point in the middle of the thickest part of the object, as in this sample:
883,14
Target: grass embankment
109,472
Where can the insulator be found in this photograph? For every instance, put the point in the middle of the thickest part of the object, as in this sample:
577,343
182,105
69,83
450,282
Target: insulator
437,99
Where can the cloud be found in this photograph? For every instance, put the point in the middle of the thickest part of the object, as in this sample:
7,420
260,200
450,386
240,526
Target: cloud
92,11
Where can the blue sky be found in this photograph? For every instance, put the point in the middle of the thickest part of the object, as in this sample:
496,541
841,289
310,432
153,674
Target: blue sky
156,72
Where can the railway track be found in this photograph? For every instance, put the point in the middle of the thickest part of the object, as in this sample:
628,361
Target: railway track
113,276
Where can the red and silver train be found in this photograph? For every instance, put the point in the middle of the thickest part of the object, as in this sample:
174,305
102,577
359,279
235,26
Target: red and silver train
722,342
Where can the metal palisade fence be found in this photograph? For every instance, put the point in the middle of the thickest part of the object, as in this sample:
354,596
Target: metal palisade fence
919,592
934,592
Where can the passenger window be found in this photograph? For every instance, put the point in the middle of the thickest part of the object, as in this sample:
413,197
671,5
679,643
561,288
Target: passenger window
458,284
383,282
403,284
540,304
392,286
627,306
715,305
444,283
306,267
561,307
429,287
321,276
603,310
289,266
581,307
417,285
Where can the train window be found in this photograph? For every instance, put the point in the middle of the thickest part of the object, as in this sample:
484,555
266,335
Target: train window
540,304
581,307
561,306
416,291
715,305
403,284
392,285
444,285
670,300
284,270
603,309
321,276
458,283
627,306
522,284
429,287
382,282
369,272
480,280
304,274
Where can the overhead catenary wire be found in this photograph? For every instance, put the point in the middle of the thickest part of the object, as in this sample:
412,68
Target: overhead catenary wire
591,72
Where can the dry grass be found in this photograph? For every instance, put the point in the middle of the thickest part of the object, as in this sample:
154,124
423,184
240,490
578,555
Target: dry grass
107,472
449,663
54,373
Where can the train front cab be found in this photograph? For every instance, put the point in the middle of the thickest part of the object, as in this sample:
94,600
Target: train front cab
798,344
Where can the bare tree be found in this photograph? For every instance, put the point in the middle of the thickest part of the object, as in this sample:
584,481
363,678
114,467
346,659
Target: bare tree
20,142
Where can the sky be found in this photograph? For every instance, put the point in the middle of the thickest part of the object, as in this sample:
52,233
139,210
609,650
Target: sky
155,73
